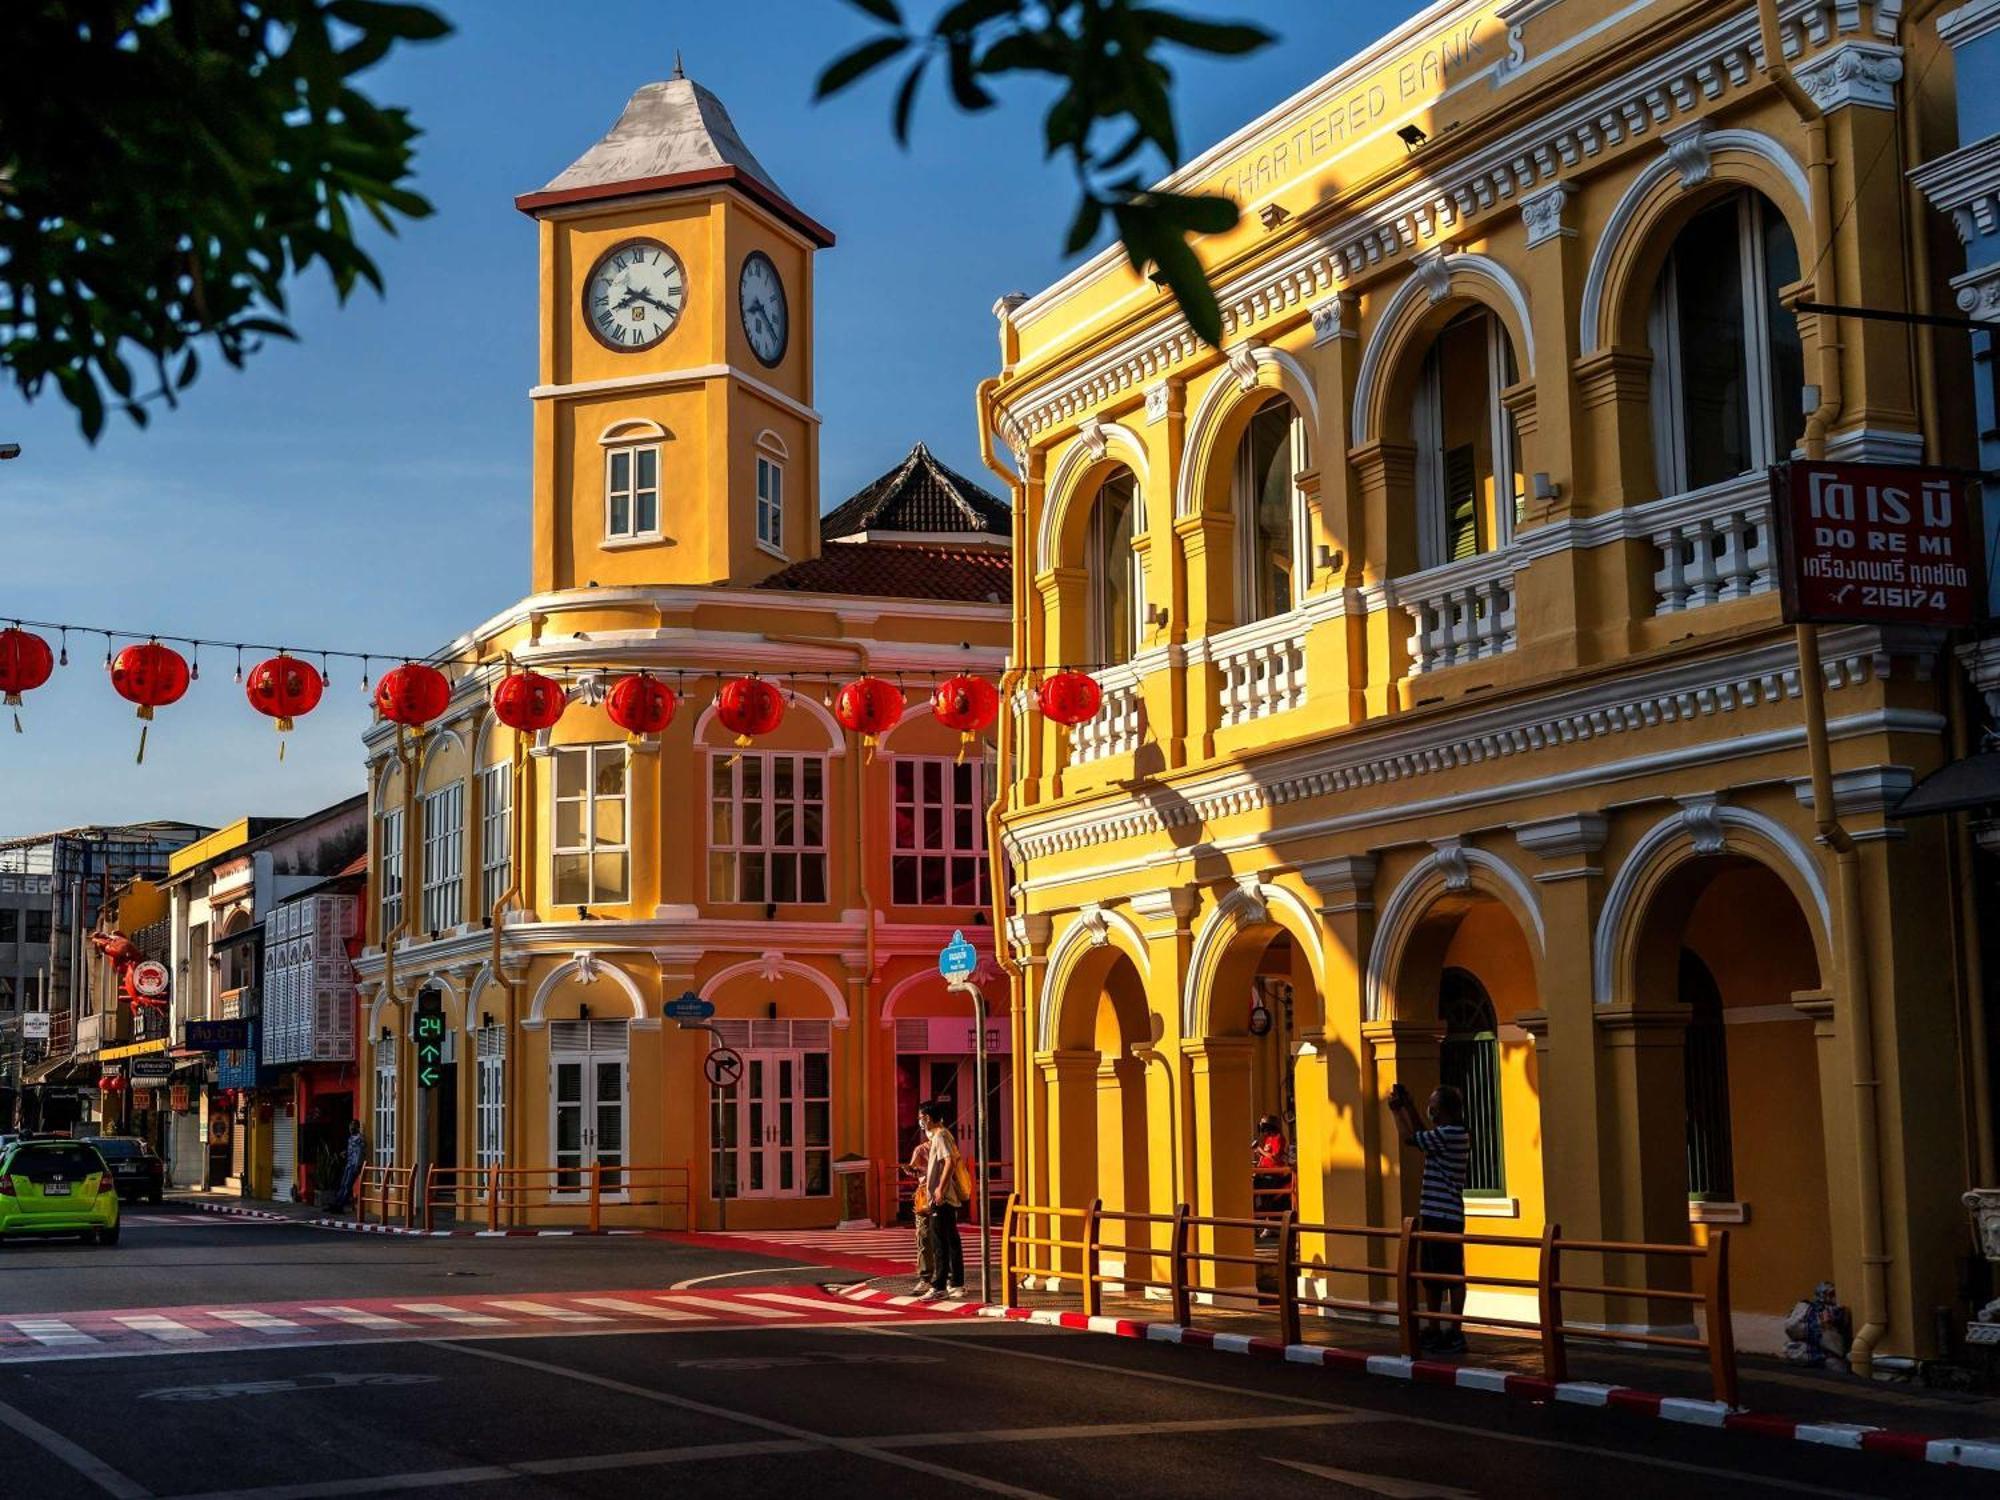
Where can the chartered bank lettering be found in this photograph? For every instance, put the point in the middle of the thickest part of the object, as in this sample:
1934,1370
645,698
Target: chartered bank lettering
1421,74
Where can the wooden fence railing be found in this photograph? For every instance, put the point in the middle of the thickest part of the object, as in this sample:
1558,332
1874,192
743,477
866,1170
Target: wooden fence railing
512,1197
1213,1262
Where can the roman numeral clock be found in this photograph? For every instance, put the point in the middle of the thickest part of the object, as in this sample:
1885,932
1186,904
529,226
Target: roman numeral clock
634,295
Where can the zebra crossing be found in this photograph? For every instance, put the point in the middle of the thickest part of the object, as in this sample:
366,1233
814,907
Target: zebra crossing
105,1334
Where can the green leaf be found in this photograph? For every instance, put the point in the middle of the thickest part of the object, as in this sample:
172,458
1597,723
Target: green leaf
906,101
1223,38
1206,213
1083,228
1181,269
970,95
881,10
409,23
853,65
967,15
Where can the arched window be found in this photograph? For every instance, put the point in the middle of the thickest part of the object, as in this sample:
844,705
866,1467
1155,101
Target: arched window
1270,519
1728,369
1115,580
1469,487
1469,1060
1711,1172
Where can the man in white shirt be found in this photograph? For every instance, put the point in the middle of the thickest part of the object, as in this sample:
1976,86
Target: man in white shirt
941,1186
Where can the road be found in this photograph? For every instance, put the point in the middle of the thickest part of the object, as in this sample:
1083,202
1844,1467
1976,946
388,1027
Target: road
242,1359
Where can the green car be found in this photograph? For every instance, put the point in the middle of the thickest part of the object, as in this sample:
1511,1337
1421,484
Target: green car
57,1187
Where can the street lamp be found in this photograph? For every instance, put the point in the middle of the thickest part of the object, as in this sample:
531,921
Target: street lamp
981,1185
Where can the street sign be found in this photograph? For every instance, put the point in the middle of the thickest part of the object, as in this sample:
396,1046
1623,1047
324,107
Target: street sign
153,1065
34,1026
958,958
218,1036
1877,544
723,1066
688,1007
430,1038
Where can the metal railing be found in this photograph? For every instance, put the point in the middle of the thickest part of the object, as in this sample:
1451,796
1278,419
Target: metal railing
531,1197
388,1191
1200,1251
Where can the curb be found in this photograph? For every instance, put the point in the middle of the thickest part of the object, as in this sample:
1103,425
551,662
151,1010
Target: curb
349,1226
1964,1453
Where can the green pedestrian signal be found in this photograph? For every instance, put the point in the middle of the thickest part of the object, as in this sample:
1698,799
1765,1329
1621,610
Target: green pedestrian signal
430,1038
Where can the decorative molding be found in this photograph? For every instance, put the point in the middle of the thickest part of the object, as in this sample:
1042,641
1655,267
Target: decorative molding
1424,282
1090,917
1453,865
1861,73
772,966
1156,402
1701,820
1689,151
1968,23
1253,903
1335,317
1175,903
1564,836
1432,269
1978,293
1242,360
1347,875
1542,213
1864,790
1965,184
1450,859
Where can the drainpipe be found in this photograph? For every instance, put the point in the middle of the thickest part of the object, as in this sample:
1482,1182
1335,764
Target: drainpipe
406,756
1852,940
517,818
1923,339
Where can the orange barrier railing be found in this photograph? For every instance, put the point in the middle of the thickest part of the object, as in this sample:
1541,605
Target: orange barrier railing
387,1190
1066,1246
510,1197
1273,1190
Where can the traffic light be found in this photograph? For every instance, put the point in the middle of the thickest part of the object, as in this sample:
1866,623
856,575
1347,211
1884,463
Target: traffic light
430,1038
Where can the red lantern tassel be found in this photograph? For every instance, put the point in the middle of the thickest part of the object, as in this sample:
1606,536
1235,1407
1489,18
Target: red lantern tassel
140,758
17,723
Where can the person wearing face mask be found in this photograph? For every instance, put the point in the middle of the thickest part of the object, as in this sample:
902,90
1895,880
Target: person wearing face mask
944,1186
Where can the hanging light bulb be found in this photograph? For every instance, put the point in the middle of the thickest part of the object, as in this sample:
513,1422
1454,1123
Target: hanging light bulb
194,661
63,660
364,676
239,664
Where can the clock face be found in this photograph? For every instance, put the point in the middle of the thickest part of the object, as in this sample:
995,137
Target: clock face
634,295
760,296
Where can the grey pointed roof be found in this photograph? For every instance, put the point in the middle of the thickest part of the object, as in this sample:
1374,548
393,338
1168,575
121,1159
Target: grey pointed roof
667,129
920,496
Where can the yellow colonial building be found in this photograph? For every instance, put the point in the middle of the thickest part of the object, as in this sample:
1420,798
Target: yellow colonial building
555,890
1451,730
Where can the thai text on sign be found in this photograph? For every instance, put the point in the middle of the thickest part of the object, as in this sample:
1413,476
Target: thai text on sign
1875,544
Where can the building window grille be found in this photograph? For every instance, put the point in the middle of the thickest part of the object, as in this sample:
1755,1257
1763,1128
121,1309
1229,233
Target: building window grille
1270,512
592,848
1469,1060
384,1145
938,848
390,861
767,829
491,1102
632,492
1711,1171
1470,488
1728,363
444,858
496,834
771,503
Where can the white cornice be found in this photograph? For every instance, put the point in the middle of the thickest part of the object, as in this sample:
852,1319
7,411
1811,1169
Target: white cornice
1969,23
1966,185
661,380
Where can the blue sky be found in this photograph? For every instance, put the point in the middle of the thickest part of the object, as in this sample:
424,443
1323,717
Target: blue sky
368,486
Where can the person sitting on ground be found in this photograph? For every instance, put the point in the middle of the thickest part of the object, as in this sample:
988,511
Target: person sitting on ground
947,1198
920,1211
1447,1149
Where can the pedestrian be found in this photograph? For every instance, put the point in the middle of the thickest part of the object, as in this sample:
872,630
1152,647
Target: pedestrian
1272,1163
943,1185
920,1211
1447,1149
350,1174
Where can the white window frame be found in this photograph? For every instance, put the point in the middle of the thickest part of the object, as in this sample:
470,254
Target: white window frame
632,491
383,1148
444,858
490,1096
771,503
1101,561
1427,429
591,848
916,849
1663,327
389,862
1243,505
740,851
496,833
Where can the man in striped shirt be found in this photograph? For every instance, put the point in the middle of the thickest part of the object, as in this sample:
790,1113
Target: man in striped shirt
1447,1149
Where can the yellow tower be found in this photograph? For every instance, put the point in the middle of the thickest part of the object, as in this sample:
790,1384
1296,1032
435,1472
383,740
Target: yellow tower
675,440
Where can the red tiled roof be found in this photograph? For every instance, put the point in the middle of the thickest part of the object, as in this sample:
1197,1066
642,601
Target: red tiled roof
900,570
357,866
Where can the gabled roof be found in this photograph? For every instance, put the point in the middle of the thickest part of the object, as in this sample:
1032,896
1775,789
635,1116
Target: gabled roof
672,134
919,497
904,570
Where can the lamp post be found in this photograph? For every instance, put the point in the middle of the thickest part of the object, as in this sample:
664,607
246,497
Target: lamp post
980,1185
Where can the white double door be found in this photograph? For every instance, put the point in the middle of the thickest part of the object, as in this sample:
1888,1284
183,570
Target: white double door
587,1094
769,1109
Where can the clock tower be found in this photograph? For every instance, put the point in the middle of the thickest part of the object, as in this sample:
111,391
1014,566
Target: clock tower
675,436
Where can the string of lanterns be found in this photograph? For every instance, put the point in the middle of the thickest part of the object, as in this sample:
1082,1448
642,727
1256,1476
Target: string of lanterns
286,687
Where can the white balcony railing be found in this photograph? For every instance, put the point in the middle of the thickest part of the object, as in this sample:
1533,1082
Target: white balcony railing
1120,724
1461,612
1715,544
1262,666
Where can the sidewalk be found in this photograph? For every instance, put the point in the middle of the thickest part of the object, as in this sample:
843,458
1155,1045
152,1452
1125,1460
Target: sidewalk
313,1217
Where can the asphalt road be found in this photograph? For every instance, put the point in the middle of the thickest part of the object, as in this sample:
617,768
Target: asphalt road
777,1400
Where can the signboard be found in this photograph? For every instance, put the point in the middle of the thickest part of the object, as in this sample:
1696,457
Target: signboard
142,1098
34,1026
177,1099
152,1065
430,1038
218,1036
723,1066
1876,544
149,979
688,1007
236,1068
958,958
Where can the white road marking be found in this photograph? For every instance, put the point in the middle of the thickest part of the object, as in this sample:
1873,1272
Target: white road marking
451,1314
716,1304
1166,1428
820,1304
51,1331
259,1322
694,1281
164,1329
86,1463
357,1317
1380,1484
642,1309
545,1310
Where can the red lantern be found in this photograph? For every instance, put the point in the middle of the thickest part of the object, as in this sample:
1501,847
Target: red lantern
967,704
412,694
285,688
25,664
749,706
640,705
152,676
528,701
1071,698
869,707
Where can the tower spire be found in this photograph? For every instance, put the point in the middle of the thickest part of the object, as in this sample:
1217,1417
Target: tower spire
679,71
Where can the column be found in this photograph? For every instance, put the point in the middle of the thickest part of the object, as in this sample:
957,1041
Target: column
1385,480
1069,1077
1338,1167
1404,1052
1220,1125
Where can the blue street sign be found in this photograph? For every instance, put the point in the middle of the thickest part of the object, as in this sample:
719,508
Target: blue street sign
957,958
689,1007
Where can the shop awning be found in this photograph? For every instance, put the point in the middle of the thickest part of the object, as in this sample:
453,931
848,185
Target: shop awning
1955,787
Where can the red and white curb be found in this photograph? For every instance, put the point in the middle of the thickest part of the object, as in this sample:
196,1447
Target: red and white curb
1909,1445
351,1226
